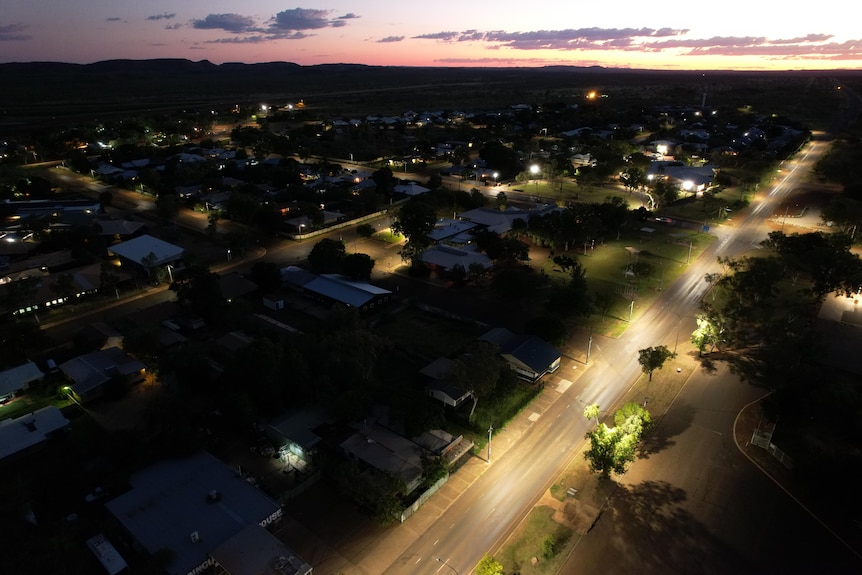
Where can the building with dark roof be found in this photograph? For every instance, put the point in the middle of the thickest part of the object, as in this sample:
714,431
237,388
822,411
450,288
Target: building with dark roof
439,384
28,432
255,551
191,510
90,372
18,378
529,357
335,289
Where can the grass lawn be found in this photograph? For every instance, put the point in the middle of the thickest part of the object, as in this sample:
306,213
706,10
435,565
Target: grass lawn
665,249
388,237
527,544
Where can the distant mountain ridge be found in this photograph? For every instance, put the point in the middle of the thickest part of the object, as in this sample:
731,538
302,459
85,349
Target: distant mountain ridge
42,91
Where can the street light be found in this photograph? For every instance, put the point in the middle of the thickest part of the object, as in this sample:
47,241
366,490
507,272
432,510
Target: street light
455,571
490,429
496,175
534,169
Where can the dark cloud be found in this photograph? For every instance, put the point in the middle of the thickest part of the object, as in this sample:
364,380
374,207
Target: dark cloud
302,19
575,39
444,36
650,40
13,32
348,16
164,16
113,19
231,22
391,39
257,39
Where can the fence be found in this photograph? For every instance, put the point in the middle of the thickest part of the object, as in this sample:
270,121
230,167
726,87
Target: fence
426,495
762,437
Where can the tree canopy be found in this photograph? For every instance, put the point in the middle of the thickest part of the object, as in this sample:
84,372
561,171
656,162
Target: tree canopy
653,358
613,448
414,221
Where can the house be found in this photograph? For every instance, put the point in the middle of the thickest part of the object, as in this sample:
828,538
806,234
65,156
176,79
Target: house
28,432
89,373
146,252
18,379
411,189
692,179
234,285
47,291
381,449
449,230
304,224
528,356
335,289
295,435
501,222
199,514
119,229
439,384
447,258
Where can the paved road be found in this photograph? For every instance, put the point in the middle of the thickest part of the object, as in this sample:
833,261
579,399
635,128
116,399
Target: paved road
697,505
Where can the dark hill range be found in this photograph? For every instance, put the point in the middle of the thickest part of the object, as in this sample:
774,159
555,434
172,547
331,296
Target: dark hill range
40,91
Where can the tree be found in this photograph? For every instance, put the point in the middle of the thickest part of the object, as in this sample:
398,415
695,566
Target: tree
632,415
384,181
709,331
199,288
502,201
613,448
653,358
327,256
548,327
357,266
478,371
365,230
109,278
607,453
592,411
266,275
414,221
149,262
489,566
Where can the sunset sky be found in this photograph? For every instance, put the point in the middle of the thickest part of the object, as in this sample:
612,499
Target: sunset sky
733,35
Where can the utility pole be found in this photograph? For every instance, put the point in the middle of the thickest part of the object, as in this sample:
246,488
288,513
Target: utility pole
690,245
589,347
631,310
490,430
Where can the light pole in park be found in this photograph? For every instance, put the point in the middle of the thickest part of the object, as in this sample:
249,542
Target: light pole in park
490,429
534,170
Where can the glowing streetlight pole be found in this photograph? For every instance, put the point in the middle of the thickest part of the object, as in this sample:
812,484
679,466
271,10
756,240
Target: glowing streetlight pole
534,169
490,429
